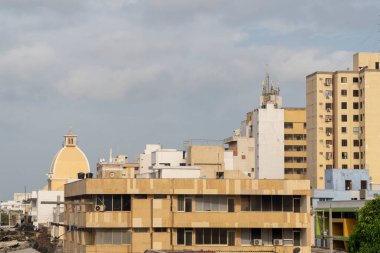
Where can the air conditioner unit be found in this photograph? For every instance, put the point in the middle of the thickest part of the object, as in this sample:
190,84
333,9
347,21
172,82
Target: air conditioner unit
257,242
327,84
277,242
327,96
99,208
328,145
328,133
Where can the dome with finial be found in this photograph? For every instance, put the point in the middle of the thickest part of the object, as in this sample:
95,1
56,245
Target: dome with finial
69,161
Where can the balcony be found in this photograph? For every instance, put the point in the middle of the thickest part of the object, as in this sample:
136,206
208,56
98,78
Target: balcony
99,219
242,219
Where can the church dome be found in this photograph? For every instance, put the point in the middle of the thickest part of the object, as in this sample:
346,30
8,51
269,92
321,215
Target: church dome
69,161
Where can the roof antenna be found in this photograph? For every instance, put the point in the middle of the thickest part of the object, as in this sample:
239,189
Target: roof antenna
110,159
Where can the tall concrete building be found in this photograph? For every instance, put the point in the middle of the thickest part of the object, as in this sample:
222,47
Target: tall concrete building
343,119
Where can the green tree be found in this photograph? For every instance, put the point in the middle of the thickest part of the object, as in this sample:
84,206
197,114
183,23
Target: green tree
4,219
366,235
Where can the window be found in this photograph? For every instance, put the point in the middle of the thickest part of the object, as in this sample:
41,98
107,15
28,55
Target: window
328,80
277,203
344,118
355,79
231,205
180,236
288,125
356,155
140,230
348,185
363,184
355,118
344,166
355,105
159,196
343,93
355,93
160,230
140,196
188,204
344,155
343,79
181,203
343,105
344,130
113,236
211,203
377,65
211,236
356,143
114,202
344,143
355,130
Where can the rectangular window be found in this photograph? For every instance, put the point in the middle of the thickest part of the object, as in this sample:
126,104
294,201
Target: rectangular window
344,143
343,105
343,79
245,203
140,196
267,203
355,79
256,203
180,236
297,205
277,203
287,203
356,155
181,203
231,205
344,166
126,202
344,118
343,93
116,202
344,130
348,185
188,204
355,93
356,143
363,184
108,202
355,118
288,125
256,233
377,65
344,155
355,105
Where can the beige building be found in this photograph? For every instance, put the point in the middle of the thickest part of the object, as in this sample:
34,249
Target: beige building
133,215
67,163
343,119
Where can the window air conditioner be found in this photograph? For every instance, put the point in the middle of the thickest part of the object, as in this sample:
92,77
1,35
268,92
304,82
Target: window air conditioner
99,208
277,242
257,242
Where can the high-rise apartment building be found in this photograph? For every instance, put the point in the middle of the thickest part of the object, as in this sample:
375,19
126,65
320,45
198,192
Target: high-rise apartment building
343,119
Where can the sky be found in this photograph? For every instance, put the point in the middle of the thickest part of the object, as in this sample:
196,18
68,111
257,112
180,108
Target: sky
123,74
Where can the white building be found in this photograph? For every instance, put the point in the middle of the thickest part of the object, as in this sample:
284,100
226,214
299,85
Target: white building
145,159
43,214
268,132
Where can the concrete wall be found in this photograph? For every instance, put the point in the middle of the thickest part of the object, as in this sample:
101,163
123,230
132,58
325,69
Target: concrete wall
268,132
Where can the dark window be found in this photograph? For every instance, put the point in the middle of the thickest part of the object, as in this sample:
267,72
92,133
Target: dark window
377,65
256,203
343,92
344,166
116,202
287,203
343,105
288,125
140,196
108,202
355,118
355,79
245,205
356,143
297,205
344,129
363,184
344,143
344,155
126,199
267,203
344,118
297,238
255,233
159,196
277,233
180,236
189,237
188,204
355,105
277,203
356,166
348,185
356,155
355,93
231,205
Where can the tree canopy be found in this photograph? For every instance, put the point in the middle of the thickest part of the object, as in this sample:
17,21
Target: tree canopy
366,235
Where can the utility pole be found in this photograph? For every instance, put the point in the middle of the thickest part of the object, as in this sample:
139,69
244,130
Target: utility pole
330,229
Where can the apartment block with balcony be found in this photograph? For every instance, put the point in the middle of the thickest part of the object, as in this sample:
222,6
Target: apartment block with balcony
343,119
134,215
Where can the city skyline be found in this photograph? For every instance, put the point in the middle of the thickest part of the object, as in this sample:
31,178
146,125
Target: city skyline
126,73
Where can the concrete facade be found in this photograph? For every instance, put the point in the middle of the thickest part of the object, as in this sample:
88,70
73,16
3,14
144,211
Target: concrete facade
268,132
187,214
343,119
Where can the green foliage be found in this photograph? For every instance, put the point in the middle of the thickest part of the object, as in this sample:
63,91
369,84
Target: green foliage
4,219
366,235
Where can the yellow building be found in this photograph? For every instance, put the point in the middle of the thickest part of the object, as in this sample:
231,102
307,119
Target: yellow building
343,119
295,143
66,164
133,215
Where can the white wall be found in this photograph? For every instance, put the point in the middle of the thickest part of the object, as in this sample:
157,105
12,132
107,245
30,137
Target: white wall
180,173
171,156
145,159
228,160
45,211
268,131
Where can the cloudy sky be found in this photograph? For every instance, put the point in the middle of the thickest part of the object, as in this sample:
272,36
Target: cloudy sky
125,73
